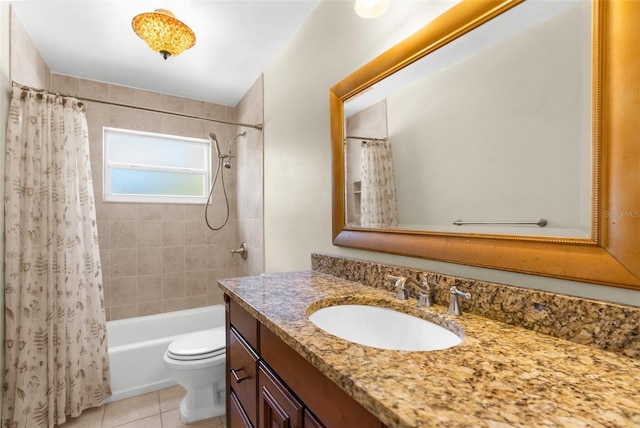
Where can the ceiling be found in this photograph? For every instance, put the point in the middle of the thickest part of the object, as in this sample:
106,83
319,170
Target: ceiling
236,40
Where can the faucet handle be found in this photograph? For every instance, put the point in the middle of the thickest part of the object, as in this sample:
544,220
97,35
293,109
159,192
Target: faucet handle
454,304
425,280
400,289
424,297
243,251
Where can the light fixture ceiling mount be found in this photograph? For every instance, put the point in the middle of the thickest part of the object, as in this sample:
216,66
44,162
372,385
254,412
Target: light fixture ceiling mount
371,8
163,32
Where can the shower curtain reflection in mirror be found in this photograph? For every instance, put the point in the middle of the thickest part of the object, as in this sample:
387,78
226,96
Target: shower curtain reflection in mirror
56,360
378,198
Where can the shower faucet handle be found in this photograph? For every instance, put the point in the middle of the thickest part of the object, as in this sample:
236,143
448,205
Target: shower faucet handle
243,251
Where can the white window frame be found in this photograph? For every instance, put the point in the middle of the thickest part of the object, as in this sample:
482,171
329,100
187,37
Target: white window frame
109,196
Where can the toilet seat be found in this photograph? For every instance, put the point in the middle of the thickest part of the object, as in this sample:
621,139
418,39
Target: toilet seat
198,346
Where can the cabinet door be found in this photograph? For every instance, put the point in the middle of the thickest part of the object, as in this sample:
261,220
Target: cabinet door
237,418
243,380
278,407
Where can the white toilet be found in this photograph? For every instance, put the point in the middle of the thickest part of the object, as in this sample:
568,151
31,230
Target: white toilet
197,363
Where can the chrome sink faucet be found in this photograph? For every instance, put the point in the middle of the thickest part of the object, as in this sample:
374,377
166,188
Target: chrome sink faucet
454,304
403,283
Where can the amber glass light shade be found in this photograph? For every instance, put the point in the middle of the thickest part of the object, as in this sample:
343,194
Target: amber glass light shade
163,32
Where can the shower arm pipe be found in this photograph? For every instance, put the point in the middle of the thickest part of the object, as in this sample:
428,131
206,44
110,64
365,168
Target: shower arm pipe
152,110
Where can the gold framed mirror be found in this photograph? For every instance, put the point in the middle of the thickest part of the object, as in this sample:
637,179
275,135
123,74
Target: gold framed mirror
611,255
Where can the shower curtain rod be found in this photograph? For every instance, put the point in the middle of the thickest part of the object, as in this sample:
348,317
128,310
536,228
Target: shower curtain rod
188,116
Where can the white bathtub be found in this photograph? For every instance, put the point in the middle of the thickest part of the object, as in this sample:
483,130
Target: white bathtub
136,347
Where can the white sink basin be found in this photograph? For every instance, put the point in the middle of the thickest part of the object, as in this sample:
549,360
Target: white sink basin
383,328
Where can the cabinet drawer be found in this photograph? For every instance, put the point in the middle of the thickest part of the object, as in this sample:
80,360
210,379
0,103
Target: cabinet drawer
278,407
243,365
245,323
237,418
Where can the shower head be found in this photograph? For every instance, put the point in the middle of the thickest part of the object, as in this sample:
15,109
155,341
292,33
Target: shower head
214,139
227,164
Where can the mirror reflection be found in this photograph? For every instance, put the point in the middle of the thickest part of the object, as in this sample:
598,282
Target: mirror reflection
491,133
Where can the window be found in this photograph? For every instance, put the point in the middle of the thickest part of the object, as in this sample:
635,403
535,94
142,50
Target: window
146,167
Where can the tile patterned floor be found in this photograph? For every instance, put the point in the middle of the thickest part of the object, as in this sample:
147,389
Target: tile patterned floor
159,409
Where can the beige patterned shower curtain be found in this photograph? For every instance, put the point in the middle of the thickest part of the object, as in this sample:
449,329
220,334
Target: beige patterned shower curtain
378,206
56,361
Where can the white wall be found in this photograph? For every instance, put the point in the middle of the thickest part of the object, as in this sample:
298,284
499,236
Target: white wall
499,136
332,43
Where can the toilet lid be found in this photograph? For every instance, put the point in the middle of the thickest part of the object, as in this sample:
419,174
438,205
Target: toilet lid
197,346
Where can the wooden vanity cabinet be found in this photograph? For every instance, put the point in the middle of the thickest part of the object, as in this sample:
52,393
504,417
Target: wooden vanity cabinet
271,385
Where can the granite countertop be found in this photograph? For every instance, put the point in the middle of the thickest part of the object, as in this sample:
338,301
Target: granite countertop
499,376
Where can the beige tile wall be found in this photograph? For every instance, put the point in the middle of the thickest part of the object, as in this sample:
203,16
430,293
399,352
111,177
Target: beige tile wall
156,257
250,191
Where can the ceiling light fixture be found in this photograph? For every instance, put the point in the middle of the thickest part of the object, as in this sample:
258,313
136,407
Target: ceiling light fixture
371,8
163,32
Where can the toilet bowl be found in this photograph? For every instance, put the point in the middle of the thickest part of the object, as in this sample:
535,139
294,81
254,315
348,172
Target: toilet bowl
197,362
